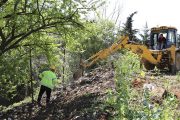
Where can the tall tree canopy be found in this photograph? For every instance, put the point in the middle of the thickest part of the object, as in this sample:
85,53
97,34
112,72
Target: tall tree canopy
128,27
145,35
21,18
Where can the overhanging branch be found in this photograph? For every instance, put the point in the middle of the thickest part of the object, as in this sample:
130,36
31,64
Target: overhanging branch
25,35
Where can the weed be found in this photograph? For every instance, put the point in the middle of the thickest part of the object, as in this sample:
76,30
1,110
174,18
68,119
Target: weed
129,104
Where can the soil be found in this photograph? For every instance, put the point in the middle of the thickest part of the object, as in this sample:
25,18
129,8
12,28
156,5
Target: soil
80,100
83,99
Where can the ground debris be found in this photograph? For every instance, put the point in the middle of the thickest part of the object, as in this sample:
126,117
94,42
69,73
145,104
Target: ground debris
78,100
158,94
82,99
175,90
138,83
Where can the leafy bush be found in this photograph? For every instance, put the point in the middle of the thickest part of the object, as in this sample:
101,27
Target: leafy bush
128,103
127,65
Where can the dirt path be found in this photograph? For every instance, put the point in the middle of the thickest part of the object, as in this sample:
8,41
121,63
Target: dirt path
80,100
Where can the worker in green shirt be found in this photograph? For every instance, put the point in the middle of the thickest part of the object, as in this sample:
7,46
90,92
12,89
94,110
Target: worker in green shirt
48,80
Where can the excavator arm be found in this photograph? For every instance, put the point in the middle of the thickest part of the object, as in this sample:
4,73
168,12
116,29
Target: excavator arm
143,52
124,42
102,54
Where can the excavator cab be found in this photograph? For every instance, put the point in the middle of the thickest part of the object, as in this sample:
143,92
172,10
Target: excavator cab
169,33
169,54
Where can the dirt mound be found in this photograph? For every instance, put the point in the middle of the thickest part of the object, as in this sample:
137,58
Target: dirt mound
80,100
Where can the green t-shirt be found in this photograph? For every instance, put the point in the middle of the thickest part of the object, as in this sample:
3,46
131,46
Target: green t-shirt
48,79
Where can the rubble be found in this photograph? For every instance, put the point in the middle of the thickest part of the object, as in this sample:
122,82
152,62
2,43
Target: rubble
175,91
149,86
158,94
138,83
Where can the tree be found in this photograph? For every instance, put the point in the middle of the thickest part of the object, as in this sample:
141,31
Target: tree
145,35
21,18
83,43
36,23
128,28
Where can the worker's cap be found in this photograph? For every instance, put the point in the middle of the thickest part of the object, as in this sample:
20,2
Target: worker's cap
52,67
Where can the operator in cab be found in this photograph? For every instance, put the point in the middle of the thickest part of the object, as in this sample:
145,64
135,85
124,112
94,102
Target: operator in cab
161,42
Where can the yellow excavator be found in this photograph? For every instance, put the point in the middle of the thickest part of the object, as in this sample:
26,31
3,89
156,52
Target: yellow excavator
152,55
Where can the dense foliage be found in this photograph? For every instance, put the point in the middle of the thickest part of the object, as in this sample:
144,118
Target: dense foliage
49,33
38,26
20,19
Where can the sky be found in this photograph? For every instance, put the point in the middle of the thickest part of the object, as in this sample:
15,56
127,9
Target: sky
154,12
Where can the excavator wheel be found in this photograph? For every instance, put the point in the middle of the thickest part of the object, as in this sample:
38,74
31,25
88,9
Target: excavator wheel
172,69
147,64
177,61
160,66
176,67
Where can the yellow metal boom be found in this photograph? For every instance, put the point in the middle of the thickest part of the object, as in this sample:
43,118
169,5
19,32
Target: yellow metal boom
139,49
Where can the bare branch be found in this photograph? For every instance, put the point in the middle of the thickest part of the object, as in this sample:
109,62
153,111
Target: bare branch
15,5
25,5
2,35
40,12
19,13
8,41
23,36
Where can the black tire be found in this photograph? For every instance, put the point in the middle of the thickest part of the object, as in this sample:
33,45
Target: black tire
177,61
148,65
172,69
160,66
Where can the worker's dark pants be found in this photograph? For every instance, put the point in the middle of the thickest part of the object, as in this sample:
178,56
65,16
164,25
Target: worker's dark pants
162,45
48,93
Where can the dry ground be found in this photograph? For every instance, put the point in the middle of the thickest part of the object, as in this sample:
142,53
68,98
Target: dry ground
82,99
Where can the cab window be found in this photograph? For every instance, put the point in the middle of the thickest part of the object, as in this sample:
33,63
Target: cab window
171,37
